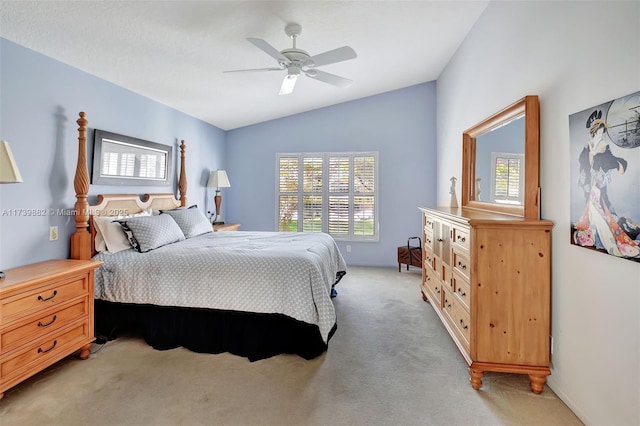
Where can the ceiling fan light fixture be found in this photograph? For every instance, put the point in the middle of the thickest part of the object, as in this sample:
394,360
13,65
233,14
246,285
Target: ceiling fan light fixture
288,83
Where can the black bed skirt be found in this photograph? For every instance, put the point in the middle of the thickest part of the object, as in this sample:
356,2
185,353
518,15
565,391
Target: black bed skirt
252,335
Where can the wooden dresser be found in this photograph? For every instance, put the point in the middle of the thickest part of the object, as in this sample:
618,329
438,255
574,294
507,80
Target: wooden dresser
46,313
488,277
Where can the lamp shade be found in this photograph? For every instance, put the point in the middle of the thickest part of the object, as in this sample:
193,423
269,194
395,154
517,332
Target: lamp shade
219,179
9,172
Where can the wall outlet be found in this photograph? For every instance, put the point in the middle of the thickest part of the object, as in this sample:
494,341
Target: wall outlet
348,248
53,233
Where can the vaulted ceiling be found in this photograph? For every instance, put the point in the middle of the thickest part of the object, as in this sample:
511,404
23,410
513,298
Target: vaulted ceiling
175,52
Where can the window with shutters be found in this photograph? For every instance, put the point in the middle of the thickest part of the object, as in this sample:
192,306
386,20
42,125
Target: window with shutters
334,193
507,178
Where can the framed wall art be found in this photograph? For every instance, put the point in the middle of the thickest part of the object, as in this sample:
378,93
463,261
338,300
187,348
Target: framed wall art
605,177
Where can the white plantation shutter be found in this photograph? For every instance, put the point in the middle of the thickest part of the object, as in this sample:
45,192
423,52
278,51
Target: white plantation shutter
288,194
147,166
110,163
364,216
127,164
507,178
338,215
334,193
338,206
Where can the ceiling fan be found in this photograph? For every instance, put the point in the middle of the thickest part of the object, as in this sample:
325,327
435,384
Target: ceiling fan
296,61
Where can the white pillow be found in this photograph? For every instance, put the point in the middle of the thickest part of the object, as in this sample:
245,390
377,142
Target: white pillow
110,236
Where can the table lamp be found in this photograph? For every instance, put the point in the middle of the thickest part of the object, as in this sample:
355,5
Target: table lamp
218,179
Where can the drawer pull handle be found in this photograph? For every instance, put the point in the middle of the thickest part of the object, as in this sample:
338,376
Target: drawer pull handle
463,239
440,240
44,351
461,293
462,266
44,299
463,326
40,324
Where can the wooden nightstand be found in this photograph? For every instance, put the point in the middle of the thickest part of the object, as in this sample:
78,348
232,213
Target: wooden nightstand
225,227
46,313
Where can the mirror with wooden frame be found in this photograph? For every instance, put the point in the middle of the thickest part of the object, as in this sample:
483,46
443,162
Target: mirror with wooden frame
500,161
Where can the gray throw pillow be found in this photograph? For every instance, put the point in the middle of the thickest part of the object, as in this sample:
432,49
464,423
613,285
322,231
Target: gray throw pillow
191,221
151,232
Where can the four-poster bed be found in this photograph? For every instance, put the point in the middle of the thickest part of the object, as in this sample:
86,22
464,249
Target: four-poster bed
254,294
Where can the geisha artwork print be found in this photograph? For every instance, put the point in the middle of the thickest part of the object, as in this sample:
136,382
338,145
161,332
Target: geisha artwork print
605,177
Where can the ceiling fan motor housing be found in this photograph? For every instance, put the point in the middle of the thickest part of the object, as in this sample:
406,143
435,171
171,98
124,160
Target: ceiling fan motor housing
296,56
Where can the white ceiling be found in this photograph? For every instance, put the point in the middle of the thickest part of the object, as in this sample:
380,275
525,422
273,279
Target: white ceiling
175,52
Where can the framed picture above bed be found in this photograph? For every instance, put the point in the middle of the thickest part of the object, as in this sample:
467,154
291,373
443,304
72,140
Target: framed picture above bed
124,160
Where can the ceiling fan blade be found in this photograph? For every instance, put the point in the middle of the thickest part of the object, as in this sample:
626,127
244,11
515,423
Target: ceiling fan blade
288,84
256,69
331,57
329,78
268,49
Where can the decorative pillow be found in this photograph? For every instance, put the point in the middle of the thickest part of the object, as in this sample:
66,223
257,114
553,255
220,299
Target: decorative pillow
192,221
151,232
110,235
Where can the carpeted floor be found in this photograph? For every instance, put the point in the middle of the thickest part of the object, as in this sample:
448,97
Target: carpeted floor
390,362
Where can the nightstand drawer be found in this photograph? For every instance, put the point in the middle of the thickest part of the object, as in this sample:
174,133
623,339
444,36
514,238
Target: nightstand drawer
41,324
40,351
19,306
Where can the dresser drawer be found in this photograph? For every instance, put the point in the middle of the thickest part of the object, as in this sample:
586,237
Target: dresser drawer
434,288
429,260
40,351
428,222
461,237
24,304
428,239
41,324
442,270
458,318
462,289
461,263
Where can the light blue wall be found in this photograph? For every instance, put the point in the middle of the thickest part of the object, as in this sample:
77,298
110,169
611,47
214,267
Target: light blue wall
400,125
39,103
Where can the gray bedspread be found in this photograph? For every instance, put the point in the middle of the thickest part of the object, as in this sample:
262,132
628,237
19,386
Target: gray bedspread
263,272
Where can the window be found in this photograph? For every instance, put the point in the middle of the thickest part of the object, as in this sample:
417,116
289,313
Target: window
334,193
507,178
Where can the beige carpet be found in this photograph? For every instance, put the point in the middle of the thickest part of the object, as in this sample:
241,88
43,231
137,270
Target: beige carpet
390,363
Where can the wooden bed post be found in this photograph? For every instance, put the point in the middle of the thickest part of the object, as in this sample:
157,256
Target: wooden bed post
81,238
182,182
